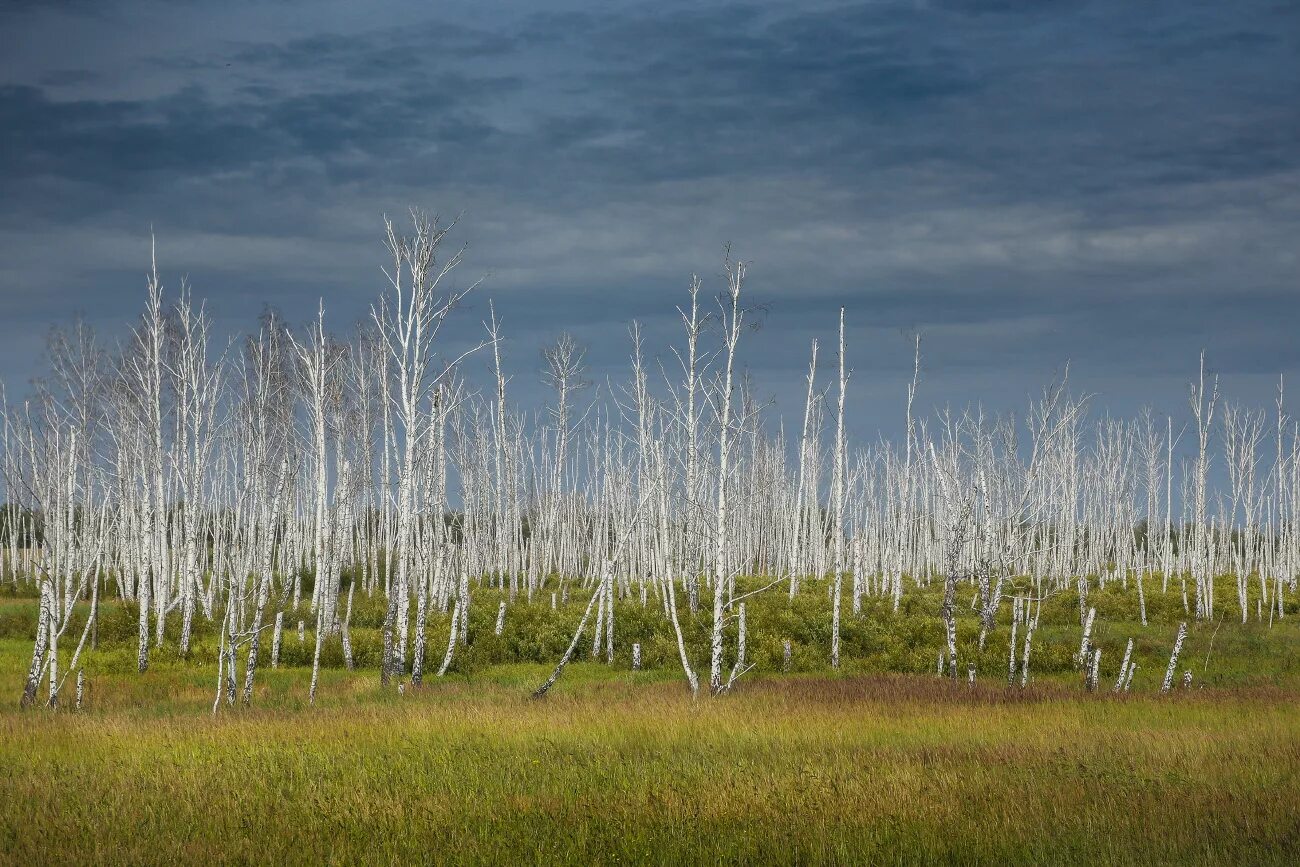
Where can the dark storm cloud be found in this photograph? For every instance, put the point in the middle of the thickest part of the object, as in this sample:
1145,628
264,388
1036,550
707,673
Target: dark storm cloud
119,144
383,55
1027,182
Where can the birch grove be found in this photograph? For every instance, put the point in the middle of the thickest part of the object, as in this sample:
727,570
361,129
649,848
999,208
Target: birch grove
298,469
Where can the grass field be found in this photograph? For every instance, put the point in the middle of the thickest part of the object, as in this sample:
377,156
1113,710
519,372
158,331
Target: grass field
618,766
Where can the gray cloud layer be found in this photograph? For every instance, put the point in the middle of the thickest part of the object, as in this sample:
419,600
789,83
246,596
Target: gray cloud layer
1026,183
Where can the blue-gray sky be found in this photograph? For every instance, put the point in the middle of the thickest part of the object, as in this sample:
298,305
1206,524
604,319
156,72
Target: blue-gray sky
1109,183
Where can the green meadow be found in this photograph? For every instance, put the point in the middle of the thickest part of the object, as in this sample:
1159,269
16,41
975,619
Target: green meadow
880,762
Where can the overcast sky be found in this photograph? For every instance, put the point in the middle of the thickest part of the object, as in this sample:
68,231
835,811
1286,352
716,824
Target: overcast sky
1111,184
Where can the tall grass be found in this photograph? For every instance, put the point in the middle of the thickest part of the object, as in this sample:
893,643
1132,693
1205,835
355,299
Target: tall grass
876,764
623,767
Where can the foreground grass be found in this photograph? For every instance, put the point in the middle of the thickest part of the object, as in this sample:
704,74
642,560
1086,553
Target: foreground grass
880,763
623,767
